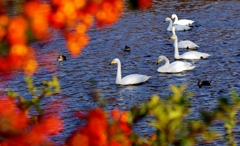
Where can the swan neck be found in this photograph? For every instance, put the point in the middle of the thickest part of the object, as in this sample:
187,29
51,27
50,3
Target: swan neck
166,61
173,31
119,73
170,25
175,20
176,53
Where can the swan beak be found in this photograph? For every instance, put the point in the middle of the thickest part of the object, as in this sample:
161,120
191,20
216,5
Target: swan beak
111,62
171,38
158,61
164,21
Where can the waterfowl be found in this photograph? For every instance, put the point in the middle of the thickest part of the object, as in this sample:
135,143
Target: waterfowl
189,54
186,22
174,67
61,58
186,44
178,27
127,49
203,83
130,79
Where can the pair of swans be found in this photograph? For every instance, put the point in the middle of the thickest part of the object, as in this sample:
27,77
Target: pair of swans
181,25
175,67
178,27
188,55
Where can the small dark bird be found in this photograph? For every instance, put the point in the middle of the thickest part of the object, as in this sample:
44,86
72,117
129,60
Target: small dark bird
203,83
61,58
127,49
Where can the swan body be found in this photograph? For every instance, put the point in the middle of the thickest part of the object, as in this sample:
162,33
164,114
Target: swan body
130,79
185,22
174,67
186,44
187,55
178,27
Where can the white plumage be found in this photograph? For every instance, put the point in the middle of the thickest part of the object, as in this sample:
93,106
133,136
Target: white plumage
186,22
174,67
178,27
130,79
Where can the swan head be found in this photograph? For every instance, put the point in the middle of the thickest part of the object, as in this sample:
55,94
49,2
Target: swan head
174,16
167,19
114,61
160,58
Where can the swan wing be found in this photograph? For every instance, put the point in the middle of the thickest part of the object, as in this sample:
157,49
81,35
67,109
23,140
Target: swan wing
186,22
194,55
134,79
187,44
179,66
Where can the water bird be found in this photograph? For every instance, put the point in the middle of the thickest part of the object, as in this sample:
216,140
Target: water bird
61,58
178,27
127,49
186,55
186,22
174,67
203,83
129,79
186,44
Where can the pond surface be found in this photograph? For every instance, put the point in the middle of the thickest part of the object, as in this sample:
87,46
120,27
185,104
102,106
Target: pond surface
216,31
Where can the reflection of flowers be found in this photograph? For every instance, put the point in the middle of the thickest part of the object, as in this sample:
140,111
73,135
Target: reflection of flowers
99,132
17,129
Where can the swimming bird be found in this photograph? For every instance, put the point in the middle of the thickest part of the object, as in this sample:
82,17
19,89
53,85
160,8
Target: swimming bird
203,83
186,22
130,79
61,58
189,54
174,67
178,27
186,44
127,49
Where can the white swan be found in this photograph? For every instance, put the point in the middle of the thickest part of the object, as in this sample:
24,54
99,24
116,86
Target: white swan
178,27
186,22
187,55
130,79
174,67
186,44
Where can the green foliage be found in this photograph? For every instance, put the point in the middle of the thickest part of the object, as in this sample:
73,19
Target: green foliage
172,126
48,88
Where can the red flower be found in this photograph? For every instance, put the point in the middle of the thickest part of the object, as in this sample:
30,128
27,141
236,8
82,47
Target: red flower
12,120
94,133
